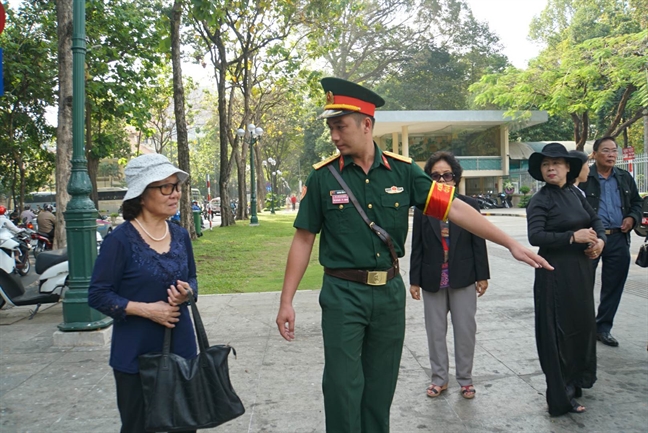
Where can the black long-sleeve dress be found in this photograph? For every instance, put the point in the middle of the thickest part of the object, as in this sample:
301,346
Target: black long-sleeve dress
564,298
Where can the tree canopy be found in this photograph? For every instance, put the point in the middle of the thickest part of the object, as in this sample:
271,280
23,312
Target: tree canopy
593,69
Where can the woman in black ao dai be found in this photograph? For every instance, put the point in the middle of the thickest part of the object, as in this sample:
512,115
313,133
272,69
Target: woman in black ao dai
569,234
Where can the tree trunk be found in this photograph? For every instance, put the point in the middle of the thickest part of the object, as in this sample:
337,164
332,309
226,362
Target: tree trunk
581,129
64,128
21,173
626,124
93,170
621,107
186,214
227,219
93,163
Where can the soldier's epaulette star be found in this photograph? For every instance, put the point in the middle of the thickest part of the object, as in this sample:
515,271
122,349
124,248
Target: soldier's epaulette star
327,161
398,157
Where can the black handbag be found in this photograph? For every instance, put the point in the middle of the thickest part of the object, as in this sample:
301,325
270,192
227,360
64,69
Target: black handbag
642,257
188,394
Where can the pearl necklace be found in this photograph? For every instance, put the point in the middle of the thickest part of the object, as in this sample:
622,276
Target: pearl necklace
149,235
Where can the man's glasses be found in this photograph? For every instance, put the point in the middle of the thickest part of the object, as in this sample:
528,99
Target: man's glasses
447,177
609,151
167,188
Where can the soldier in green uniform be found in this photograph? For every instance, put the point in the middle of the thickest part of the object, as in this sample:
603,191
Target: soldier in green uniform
363,294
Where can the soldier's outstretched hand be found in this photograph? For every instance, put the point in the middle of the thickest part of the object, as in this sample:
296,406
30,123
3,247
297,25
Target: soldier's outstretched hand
529,257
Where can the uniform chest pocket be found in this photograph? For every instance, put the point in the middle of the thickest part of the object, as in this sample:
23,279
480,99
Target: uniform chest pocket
343,218
396,208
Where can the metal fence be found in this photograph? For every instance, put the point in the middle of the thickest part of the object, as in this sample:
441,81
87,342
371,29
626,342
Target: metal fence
639,170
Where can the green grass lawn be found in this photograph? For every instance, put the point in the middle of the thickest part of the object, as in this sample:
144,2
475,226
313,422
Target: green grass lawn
240,258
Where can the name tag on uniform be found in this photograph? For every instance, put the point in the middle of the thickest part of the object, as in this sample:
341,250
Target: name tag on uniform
339,196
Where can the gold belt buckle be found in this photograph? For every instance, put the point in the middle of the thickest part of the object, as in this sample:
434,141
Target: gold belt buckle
376,278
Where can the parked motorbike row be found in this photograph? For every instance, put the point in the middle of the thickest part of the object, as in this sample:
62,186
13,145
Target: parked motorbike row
51,266
487,201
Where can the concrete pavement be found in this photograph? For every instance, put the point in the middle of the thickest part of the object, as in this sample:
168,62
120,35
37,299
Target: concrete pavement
44,388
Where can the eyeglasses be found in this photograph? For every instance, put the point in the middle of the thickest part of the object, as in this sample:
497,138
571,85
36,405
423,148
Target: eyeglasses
609,151
447,177
167,188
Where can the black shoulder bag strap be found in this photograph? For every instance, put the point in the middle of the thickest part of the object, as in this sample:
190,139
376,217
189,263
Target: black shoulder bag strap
379,231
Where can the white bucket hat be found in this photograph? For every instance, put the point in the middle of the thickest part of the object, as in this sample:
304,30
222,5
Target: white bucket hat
146,169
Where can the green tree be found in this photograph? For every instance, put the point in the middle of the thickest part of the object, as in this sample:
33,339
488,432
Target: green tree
123,60
234,35
601,79
29,80
555,129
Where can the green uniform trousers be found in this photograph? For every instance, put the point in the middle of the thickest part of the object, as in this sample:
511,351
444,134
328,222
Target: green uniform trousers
363,329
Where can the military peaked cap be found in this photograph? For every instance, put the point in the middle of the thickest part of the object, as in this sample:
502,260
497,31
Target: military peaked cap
344,97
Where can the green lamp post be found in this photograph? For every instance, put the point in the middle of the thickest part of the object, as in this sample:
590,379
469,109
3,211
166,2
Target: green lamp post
254,134
81,225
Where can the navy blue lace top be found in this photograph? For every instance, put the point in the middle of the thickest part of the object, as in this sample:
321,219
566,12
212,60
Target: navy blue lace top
127,269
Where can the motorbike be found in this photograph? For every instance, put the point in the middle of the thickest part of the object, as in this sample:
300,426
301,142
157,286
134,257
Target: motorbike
484,202
40,243
52,266
505,200
17,247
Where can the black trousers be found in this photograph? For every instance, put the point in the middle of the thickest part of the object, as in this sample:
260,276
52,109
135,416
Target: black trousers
130,402
616,263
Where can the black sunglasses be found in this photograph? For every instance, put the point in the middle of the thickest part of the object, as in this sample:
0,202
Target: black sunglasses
167,188
447,177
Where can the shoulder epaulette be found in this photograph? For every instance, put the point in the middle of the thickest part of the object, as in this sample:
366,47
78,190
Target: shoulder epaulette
327,161
398,157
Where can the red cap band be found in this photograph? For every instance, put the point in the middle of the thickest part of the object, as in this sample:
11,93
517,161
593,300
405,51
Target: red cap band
339,101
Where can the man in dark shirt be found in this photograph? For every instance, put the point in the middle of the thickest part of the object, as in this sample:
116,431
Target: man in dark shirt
612,192
46,222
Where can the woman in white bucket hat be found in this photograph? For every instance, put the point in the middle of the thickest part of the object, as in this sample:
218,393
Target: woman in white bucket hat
142,278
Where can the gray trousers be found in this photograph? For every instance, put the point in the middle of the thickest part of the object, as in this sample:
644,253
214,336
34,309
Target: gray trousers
462,305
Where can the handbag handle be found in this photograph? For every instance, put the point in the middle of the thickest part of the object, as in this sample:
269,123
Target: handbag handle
203,342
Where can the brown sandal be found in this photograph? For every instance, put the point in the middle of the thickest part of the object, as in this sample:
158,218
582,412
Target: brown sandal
468,391
435,390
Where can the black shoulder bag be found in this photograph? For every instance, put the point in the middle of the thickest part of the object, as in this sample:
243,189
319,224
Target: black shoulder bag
188,394
642,257
379,231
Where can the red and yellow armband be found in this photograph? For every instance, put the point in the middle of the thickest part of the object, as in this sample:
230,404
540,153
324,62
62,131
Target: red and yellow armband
439,200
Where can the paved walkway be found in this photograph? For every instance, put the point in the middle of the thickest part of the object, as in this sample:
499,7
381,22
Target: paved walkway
50,389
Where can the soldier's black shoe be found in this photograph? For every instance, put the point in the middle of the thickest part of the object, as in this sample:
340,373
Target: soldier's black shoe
607,339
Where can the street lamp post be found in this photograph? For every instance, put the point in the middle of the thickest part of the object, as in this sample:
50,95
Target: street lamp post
80,215
254,134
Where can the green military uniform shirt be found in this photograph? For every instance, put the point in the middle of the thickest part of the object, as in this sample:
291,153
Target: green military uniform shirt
385,193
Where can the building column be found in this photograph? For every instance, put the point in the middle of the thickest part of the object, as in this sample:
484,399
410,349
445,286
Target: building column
380,141
405,135
395,142
504,149
462,187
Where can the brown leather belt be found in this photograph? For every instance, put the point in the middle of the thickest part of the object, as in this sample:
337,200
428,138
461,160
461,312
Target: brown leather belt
612,231
371,278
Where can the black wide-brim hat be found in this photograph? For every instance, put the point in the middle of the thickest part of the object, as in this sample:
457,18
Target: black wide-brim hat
554,150
344,97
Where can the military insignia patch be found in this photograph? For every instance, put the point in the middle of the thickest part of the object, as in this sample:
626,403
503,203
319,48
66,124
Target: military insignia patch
339,196
394,190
